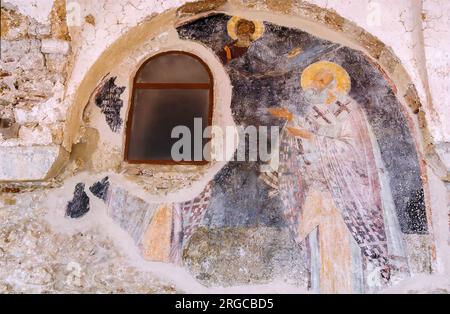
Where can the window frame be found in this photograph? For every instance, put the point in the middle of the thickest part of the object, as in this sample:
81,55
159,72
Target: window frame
199,86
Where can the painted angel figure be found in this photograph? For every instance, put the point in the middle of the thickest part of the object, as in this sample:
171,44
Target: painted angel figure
335,200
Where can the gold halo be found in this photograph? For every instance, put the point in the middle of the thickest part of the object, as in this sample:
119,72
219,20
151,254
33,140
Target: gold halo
231,28
343,82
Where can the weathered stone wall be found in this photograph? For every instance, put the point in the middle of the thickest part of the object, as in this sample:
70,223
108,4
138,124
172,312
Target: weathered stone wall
53,62
34,66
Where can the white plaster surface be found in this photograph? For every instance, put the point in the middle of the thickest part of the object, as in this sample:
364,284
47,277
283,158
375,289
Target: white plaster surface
437,51
55,46
37,9
27,163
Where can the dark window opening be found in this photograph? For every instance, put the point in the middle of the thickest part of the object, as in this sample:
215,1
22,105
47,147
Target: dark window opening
170,89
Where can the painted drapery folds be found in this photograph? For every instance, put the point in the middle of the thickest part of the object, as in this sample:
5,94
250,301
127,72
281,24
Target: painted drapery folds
338,214
333,198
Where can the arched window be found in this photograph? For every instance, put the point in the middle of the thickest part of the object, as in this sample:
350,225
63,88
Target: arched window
170,89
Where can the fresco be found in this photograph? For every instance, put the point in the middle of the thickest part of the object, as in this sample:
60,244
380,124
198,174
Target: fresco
348,188
79,205
107,98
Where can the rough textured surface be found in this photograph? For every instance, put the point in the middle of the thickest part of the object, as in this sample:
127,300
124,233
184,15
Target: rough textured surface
240,255
200,6
33,68
81,262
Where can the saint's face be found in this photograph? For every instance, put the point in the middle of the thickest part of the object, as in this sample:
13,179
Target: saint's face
322,89
244,31
322,80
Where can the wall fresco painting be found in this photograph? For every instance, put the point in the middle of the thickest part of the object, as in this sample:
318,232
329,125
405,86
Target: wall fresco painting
107,98
349,184
348,190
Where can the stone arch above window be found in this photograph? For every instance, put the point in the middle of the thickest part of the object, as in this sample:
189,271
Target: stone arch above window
170,89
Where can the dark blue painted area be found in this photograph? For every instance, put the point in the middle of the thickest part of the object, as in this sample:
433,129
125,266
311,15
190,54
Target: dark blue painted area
100,188
109,101
240,199
79,205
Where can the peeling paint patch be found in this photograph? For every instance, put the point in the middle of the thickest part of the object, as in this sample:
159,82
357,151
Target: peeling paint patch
100,188
79,205
108,100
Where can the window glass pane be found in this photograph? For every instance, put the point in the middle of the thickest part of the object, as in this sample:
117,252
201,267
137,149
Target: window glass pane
156,112
173,68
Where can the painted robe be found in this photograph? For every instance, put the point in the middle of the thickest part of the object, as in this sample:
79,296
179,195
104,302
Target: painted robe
332,195
160,231
230,52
